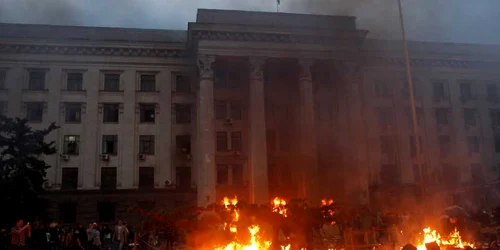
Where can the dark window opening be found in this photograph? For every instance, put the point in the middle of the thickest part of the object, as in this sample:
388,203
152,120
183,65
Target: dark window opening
147,113
34,111
36,80
183,113
73,112
222,174
74,82
148,83
147,144
108,178
69,179
146,177
111,82
237,175
67,212
221,142
111,112
182,84
183,175
71,144
183,144
110,144
236,141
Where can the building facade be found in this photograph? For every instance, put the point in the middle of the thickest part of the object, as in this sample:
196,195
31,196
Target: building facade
252,104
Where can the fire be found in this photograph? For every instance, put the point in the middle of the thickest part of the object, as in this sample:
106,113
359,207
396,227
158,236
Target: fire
454,240
279,206
255,242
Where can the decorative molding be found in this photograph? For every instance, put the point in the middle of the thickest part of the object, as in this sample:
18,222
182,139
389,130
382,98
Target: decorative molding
205,66
434,63
276,38
256,65
90,50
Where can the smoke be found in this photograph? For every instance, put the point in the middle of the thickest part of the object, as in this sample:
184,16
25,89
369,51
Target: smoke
465,21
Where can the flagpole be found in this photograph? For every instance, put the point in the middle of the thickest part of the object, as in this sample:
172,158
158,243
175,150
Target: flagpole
411,93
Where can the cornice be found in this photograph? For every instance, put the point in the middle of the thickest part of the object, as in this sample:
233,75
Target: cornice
11,48
354,39
433,63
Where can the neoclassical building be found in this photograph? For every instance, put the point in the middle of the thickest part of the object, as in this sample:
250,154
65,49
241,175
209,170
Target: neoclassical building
252,104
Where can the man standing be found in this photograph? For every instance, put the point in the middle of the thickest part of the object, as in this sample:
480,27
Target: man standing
120,235
18,235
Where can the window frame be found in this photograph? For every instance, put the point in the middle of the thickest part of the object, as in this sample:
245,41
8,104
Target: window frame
41,108
37,86
69,183
109,178
106,87
146,173
145,140
145,107
107,108
67,141
72,81
69,106
143,82
104,149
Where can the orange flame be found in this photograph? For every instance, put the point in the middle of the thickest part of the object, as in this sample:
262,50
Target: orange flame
279,206
453,240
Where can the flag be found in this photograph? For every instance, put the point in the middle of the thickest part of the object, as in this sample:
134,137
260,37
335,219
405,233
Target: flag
278,2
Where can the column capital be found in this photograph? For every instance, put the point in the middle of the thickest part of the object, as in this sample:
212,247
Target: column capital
205,66
256,64
305,68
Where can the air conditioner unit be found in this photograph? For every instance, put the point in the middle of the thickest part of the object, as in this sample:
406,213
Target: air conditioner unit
65,157
105,157
142,157
229,121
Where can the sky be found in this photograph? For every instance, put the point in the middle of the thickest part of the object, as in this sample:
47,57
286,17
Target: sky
459,21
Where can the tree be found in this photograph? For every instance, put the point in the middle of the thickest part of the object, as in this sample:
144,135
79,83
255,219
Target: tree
22,169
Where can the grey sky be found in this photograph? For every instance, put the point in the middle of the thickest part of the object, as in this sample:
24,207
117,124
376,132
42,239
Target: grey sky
466,21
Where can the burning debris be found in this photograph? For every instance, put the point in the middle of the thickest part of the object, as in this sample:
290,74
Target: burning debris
454,240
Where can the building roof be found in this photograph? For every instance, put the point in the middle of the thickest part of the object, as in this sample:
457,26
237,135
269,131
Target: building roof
81,33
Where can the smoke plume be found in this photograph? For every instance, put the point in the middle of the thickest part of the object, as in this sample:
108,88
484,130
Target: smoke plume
464,21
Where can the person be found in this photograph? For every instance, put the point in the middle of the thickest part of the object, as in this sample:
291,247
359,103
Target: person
18,235
120,235
96,236
90,238
106,237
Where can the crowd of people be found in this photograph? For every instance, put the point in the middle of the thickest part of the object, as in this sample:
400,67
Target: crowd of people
38,236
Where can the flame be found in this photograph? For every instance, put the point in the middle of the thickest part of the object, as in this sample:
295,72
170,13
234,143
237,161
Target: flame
453,240
279,206
326,202
255,242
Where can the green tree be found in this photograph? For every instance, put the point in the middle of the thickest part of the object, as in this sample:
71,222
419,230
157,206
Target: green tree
22,168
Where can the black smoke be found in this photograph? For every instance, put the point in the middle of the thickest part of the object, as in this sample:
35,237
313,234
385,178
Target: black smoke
464,21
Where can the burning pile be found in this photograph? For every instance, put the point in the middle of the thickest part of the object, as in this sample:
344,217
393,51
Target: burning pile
255,242
452,241
279,207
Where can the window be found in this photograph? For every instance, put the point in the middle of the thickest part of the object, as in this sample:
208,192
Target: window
222,174
183,113
222,142
183,144
108,178
237,175
69,178
444,145
110,144
36,80
111,112
413,148
34,111
439,90
441,116
106,211
389,173
495,118
182,84
71,145
387,145
3,79
382,89
67,212
497,143
111,82
183,176
469,117
271,141
384,117
146,177
236,143
226,79
148,83
147,144
3,107
492,92
235,110
73,112
147,113
220,110
473,144
74,81
466,92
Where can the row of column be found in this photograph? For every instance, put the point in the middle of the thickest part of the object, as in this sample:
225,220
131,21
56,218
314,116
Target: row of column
258,179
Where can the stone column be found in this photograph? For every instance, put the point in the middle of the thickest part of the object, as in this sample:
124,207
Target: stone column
307,143
205,133
259,188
